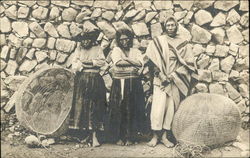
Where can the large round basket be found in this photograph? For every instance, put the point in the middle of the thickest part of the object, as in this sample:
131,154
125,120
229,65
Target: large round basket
207,120
44,101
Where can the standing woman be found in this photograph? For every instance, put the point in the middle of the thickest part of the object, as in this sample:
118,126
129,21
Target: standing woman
126,108
89,91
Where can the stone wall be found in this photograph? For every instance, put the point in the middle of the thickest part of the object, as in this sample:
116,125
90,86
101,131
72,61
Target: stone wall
39,33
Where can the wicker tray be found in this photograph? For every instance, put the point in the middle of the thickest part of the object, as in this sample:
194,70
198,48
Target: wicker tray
44,101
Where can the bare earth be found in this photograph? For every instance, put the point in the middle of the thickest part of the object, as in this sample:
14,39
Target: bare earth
72,150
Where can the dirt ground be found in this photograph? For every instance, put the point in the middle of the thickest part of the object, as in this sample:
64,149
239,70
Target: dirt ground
15,148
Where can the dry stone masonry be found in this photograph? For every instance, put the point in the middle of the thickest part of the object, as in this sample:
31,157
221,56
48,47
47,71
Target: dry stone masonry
34,34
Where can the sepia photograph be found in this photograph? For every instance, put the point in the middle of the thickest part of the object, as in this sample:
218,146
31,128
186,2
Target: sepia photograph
124,78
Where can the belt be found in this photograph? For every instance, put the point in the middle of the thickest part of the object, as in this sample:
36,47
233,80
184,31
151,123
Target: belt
91,70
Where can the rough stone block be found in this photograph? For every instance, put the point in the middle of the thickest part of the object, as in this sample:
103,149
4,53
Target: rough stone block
233,17
5,52
27,65
107,29
150,16
204,75
244,51
61,3
218,75
37,29
31,53
52,54
2,39
203,17
69,14
159,5
201,87
108,15
156,30
15,41
219,20
245,34
40,13
203,61
225,5
23,12
3,65
61,58
218,34
11,67
221,51
210,49
21,28
63,30
214,65
11,12
232,92
180,15
50,29
198,49
40,56
234,35
244,90
144,4
39,42
130,14
120,25
5,25
54,13
65,45
200,35
217,89
140,29
227,64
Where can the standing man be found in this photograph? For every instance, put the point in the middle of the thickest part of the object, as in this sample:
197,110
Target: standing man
173,62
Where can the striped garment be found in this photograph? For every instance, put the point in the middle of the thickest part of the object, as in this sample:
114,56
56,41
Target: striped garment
174,59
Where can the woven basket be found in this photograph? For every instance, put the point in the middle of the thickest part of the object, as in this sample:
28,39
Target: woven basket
44,101
207,120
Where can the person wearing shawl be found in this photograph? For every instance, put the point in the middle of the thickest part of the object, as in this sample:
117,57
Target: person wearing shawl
126,108
89,95
174,69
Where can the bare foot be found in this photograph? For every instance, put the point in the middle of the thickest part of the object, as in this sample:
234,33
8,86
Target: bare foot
128,143
120,142
153,142
85,140
95,142
167,143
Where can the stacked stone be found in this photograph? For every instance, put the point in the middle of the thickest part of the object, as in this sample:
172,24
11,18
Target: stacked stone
39,33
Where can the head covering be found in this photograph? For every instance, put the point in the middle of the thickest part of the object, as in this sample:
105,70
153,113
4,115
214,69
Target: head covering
168,18
92,35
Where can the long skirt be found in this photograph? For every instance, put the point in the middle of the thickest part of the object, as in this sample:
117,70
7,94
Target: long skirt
126,115
89,102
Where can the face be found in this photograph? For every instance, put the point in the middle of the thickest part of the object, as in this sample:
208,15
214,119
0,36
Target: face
171,28
86,43
124,40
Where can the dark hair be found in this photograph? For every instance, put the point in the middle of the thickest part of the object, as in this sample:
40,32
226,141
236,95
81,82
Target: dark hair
93,35
126,32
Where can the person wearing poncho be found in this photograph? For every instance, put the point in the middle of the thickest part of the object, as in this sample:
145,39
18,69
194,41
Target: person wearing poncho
89,96
174,69
126,108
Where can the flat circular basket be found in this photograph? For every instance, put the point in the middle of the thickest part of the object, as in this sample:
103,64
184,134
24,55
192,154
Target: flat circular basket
44,101
206,119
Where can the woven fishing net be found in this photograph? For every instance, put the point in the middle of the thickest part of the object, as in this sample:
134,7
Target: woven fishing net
204,121
44,101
